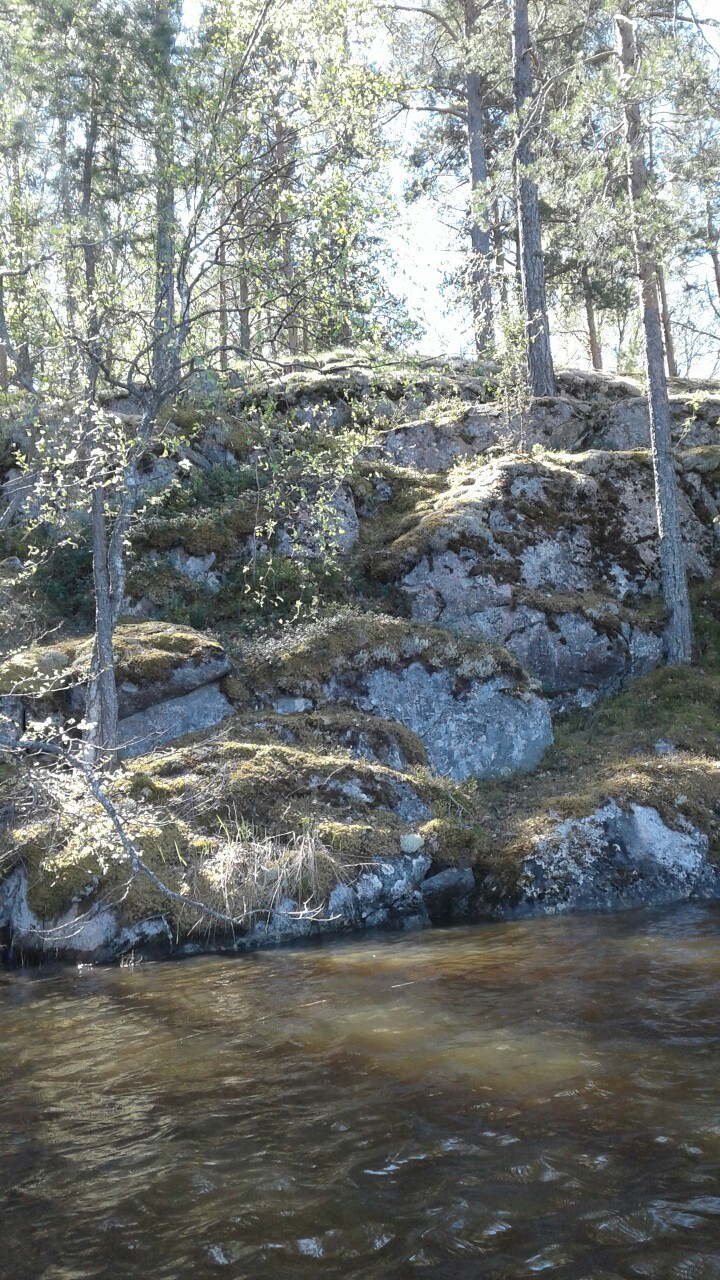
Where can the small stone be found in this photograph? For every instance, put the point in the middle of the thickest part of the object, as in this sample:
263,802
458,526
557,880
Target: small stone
664,748
290,706
681,800
411,843
10,566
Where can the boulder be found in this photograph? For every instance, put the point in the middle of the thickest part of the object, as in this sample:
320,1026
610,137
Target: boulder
437,443
94,934
12,719
479,728
167,682
626,424
197,569
319,525
447,895
364,737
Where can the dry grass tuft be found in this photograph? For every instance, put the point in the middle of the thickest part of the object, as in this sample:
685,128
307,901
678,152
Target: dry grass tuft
253,873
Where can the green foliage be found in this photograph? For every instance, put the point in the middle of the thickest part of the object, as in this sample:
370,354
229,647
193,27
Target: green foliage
212,488
64,576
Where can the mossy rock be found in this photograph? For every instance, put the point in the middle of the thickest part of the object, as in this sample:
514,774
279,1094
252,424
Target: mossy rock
342,728
239,774
80,864
299,664
146,654
500,507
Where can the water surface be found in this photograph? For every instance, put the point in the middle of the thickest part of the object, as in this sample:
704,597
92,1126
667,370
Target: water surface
498,1101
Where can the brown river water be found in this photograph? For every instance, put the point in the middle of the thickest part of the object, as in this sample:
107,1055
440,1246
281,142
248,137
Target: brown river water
503,1101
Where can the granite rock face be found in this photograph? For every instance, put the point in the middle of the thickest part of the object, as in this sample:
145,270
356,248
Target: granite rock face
471,706
80,934
626,424
484,730
554,558
613,859
173,718
167,681
580,651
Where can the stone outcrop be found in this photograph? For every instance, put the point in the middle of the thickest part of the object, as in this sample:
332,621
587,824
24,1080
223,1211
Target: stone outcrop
167,681
353,772
171,719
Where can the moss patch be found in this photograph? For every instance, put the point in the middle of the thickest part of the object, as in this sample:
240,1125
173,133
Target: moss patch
502,505
609,753
343,728
80,865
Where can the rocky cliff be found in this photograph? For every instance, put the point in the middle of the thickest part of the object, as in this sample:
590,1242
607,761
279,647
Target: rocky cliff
392,652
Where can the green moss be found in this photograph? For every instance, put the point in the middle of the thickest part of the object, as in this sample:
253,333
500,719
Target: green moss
220,529
79,865
609,753
571,492
704,459
357,843
451,843
262,783
339,728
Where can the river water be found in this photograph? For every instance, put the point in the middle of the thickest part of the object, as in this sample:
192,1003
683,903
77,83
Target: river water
499,1101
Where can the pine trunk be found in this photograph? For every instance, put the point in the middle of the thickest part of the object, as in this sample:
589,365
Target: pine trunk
243,284
480,237
163,361
222,300
595,348
715,257
284,169
712,242
678,631
532,268
666,324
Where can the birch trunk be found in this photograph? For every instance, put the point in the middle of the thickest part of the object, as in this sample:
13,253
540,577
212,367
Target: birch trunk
532,268
678,631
